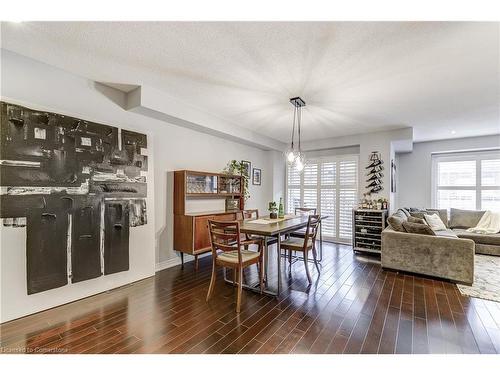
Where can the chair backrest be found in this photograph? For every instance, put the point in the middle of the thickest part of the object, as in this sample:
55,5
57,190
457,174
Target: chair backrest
225,236
312,229
305,211
250,214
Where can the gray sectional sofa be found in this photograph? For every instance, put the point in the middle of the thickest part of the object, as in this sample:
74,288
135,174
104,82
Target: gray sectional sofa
447,253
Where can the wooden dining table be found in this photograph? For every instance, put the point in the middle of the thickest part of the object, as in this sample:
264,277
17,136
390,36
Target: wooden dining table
276,230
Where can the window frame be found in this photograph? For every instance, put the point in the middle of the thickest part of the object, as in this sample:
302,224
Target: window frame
319,186
478,188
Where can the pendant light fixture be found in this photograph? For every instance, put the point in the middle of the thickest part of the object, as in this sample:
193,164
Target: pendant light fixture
294,155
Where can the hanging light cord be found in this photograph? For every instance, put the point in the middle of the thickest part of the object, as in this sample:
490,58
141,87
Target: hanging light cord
293,126
299,118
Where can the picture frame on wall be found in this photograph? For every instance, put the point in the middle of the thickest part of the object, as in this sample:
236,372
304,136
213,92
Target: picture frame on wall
257,176
247,168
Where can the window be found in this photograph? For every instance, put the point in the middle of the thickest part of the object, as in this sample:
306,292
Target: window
468,180
331,186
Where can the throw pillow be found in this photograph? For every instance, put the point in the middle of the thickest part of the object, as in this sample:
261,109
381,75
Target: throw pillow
419,214
443,214
417,220
400,213
418,228
435,222
464,219
396,222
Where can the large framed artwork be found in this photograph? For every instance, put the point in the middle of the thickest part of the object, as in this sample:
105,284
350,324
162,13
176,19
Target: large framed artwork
77,187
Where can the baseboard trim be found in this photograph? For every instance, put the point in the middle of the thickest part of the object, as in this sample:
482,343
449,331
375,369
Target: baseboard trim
176,261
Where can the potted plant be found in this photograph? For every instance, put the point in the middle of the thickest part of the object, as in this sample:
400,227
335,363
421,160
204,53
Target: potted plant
273,210
235,167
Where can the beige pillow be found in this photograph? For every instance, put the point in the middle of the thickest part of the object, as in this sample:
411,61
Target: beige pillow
435,222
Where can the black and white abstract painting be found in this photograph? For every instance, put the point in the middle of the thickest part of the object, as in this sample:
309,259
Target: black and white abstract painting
76,187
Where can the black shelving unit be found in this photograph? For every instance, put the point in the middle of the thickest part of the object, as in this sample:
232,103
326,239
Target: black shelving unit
367,227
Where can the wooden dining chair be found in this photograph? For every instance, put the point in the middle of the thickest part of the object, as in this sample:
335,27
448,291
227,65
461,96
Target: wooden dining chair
229,250
306,244
302,211
250,214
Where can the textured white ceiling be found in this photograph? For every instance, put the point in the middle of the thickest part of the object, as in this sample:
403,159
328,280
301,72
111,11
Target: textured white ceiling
356,77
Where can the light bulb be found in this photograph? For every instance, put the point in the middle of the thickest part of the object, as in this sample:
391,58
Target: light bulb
290,155
300,162
299,165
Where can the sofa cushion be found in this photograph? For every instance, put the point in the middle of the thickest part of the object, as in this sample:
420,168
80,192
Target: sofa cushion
435,222
464,219
413,219
396,222
446,233
443,214
485,239
405,211
418,228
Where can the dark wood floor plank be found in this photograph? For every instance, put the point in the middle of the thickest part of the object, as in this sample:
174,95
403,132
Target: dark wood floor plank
353,306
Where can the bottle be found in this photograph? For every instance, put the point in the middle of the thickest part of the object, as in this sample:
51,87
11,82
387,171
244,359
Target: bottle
281,211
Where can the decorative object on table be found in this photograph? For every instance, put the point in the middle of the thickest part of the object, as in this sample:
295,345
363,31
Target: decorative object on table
393,176
294,155
246,168
374,176
379,203
273,210
235,167
281,210
232,204
256,176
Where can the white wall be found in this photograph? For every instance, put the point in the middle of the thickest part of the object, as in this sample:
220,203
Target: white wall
414,169
40,86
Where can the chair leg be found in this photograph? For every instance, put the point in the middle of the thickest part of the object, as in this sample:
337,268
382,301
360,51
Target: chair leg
212,281
235,276
307,267
240,288
315,257
290,258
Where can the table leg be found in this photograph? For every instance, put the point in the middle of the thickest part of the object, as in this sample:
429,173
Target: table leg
266,258
278,245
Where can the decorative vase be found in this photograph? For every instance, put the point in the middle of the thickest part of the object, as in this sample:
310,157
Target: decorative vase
273,215
281,210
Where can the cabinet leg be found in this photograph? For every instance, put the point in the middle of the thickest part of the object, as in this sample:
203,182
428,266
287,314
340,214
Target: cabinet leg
182,260
196,262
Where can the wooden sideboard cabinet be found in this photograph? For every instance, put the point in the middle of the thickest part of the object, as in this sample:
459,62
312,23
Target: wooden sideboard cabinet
191,228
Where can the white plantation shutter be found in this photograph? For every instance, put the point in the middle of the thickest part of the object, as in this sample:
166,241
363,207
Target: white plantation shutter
328,198
293,190
329,207
310,185
468,180
329,185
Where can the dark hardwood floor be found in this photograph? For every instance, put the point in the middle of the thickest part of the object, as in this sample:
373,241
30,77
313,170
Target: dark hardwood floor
353,307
